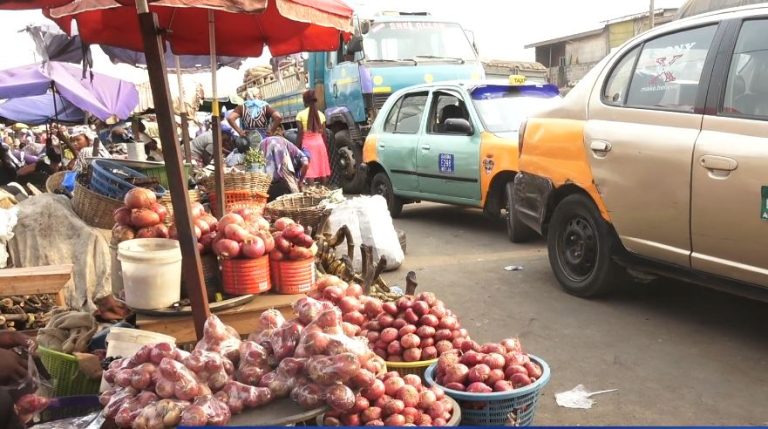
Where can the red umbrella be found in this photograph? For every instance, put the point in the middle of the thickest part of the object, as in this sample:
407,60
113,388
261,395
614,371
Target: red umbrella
236,28
243,27
31,4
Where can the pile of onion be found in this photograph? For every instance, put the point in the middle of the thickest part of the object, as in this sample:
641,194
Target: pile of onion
491,367
392,400
291,242
241,234
141,217
205,226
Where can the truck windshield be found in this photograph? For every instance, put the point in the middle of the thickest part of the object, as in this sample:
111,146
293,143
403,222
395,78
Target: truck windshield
417,41
505,112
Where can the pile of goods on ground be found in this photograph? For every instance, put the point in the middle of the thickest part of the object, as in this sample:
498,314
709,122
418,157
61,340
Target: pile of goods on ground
141,217
19,313
291,242
492,367
410,329
241,234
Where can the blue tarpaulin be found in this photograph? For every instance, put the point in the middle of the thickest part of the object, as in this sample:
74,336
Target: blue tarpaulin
39,109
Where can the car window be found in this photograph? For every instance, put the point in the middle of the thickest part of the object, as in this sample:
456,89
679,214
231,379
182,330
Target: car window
445,106
669,68
389,124
410,114
616,88
746,90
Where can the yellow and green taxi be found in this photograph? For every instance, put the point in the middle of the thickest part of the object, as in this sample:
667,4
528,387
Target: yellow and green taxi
451,142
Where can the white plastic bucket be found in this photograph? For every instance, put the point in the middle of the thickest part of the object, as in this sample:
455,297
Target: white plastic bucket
125,342
136,151
151,272
117,275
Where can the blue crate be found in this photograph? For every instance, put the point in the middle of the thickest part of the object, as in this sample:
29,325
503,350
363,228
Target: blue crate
109,178
494,409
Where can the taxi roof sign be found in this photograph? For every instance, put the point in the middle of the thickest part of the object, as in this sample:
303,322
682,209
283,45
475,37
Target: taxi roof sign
517,79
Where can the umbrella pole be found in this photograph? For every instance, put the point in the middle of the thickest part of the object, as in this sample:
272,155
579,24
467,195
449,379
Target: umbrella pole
183,114
218,161
158,78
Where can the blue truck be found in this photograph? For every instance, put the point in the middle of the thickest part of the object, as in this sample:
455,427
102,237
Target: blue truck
388,51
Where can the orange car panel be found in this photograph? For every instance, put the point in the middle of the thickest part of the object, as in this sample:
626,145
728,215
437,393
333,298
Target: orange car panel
370,153
554,148
497,154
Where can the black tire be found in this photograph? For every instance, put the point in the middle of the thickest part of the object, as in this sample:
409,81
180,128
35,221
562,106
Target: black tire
517,231
581,244
381,185
346,176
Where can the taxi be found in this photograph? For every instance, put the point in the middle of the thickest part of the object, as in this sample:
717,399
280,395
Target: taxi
451,142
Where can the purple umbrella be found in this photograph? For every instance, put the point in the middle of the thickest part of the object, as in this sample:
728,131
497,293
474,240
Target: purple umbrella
100,95
41,109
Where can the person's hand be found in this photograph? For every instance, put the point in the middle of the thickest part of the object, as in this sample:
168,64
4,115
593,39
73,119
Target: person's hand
11,339
13,367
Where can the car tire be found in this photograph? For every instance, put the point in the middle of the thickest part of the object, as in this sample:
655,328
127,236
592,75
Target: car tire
342,143
581,245
381,185
517,231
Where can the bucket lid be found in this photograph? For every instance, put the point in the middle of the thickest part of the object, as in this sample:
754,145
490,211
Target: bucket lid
151,250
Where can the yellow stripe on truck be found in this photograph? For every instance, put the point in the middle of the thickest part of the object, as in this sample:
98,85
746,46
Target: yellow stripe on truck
554,148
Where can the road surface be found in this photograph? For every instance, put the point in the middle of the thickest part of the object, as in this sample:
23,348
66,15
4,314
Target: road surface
678,354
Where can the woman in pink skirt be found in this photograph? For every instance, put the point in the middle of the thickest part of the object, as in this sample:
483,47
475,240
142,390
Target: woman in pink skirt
312,139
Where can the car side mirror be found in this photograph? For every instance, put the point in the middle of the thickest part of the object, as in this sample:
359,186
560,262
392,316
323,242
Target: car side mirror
458,126
355,45
365,26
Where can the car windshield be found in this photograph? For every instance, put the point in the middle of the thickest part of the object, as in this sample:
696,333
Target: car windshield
503,112
417,41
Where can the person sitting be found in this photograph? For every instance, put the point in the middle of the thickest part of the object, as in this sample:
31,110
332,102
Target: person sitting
311,139
83,150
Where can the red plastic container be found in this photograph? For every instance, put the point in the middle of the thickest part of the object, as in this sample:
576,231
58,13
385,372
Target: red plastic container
245,276
293,277
255,201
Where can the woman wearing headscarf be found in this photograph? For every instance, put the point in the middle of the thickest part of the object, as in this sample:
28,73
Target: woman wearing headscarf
286,163
83,149
255,115
312,139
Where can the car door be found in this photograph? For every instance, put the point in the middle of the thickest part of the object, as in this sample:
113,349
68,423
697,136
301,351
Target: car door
640,135
397,144
729,192
448,163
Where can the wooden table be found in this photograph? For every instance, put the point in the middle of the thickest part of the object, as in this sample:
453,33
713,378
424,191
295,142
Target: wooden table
279,413
245,319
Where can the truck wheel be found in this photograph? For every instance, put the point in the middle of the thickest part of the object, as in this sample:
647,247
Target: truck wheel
381,185
517,231
348,156
581,244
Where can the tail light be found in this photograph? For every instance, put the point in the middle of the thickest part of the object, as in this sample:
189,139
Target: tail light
521,137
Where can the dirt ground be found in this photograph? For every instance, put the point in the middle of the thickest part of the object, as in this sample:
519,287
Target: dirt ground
678,354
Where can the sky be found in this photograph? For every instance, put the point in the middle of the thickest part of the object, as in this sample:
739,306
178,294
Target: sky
502,28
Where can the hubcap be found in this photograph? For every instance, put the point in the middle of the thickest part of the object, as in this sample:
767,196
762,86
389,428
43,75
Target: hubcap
381,189
347,162
577,249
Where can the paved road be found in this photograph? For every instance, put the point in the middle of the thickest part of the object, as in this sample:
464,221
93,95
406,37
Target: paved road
679,354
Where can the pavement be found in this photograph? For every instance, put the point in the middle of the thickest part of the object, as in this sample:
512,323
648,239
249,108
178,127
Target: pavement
678,354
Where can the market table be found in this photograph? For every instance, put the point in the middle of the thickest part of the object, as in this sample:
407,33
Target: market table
279,413
245,318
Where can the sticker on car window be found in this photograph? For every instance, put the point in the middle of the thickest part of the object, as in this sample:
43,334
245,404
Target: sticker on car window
764,203
445,161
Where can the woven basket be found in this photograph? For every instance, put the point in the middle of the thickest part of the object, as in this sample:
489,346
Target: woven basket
94,209
54,181
405,368
255,201
301,208
194,197
240,181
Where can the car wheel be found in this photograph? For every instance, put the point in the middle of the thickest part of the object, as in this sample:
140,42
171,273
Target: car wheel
347,157
381,185
517,231
581,245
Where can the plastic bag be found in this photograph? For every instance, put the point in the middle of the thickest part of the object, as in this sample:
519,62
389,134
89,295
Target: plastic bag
220,338
239,396
130,409
308,309
325,336
284,340
117,399
206,411
209,368
31,394
271,319
176,380
309,396
253,363
165,413
328,370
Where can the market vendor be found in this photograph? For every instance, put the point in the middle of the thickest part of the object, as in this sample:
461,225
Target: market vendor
255,115
202,146
286,163
13,369
83,149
